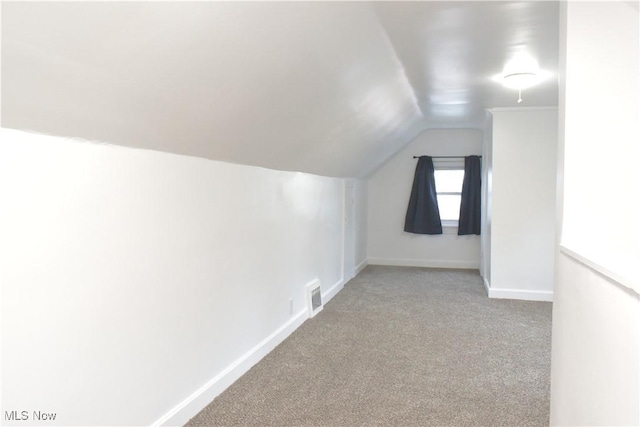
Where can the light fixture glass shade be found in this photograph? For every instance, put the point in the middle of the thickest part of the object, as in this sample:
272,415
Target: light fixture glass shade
520,80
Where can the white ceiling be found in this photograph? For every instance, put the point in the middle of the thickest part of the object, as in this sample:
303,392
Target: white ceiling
333,88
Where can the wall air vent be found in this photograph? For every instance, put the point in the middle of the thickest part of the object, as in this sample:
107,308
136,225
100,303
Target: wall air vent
314,298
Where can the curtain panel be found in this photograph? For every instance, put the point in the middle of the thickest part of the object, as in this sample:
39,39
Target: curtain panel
423,215
470,204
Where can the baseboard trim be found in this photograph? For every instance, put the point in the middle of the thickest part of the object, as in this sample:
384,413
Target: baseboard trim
332,291
361,266
526,295
424,263
487,286
188,408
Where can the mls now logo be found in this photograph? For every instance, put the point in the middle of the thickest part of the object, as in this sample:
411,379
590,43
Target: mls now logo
25,416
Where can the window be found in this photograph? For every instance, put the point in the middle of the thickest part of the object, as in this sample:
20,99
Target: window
449,189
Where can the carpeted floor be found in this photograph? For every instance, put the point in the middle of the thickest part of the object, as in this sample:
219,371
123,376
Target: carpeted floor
402,347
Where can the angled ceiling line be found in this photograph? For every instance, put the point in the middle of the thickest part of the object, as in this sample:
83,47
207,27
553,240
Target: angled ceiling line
399,62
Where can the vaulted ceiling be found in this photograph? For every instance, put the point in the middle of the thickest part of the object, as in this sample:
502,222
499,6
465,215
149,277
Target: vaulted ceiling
333,88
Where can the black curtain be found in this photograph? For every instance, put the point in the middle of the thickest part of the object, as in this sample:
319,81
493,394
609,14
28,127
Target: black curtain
423,216
469,222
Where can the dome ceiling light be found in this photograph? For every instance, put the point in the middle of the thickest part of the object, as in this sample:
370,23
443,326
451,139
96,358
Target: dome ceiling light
520,73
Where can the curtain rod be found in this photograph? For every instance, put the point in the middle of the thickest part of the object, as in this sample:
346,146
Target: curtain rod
445,157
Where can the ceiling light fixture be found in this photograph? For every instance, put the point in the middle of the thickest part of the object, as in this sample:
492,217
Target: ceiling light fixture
520,73
520,81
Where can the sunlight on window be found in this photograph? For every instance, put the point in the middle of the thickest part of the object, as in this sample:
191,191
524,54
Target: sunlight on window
449,181
449,187
449,206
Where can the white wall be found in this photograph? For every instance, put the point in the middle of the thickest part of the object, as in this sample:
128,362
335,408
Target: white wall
349,250
595,364
523,203
136,282
595,374
361,224
389,191
355,227
600,169
487,192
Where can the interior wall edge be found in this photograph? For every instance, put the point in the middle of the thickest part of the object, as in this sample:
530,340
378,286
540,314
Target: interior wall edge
361,266
617,279
102,143
487,285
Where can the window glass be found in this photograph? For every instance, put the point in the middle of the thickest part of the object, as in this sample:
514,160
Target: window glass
449,206
449,181
449,189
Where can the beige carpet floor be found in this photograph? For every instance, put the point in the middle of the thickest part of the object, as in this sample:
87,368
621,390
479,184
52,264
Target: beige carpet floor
402,346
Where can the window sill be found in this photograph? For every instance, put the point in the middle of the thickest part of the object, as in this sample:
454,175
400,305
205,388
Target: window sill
449,227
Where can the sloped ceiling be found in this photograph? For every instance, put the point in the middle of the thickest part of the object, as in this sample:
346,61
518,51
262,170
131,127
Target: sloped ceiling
332,88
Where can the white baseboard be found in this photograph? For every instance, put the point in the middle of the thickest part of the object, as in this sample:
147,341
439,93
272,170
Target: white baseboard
519,294
332,292
526,295
193,404
425,263
487,286
361,266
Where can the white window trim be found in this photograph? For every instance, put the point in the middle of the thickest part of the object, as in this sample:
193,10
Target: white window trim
450,223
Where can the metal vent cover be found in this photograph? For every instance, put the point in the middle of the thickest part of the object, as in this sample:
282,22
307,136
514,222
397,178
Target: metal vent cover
314,298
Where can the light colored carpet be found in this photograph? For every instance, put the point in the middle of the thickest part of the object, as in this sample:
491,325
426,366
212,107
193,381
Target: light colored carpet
401,347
